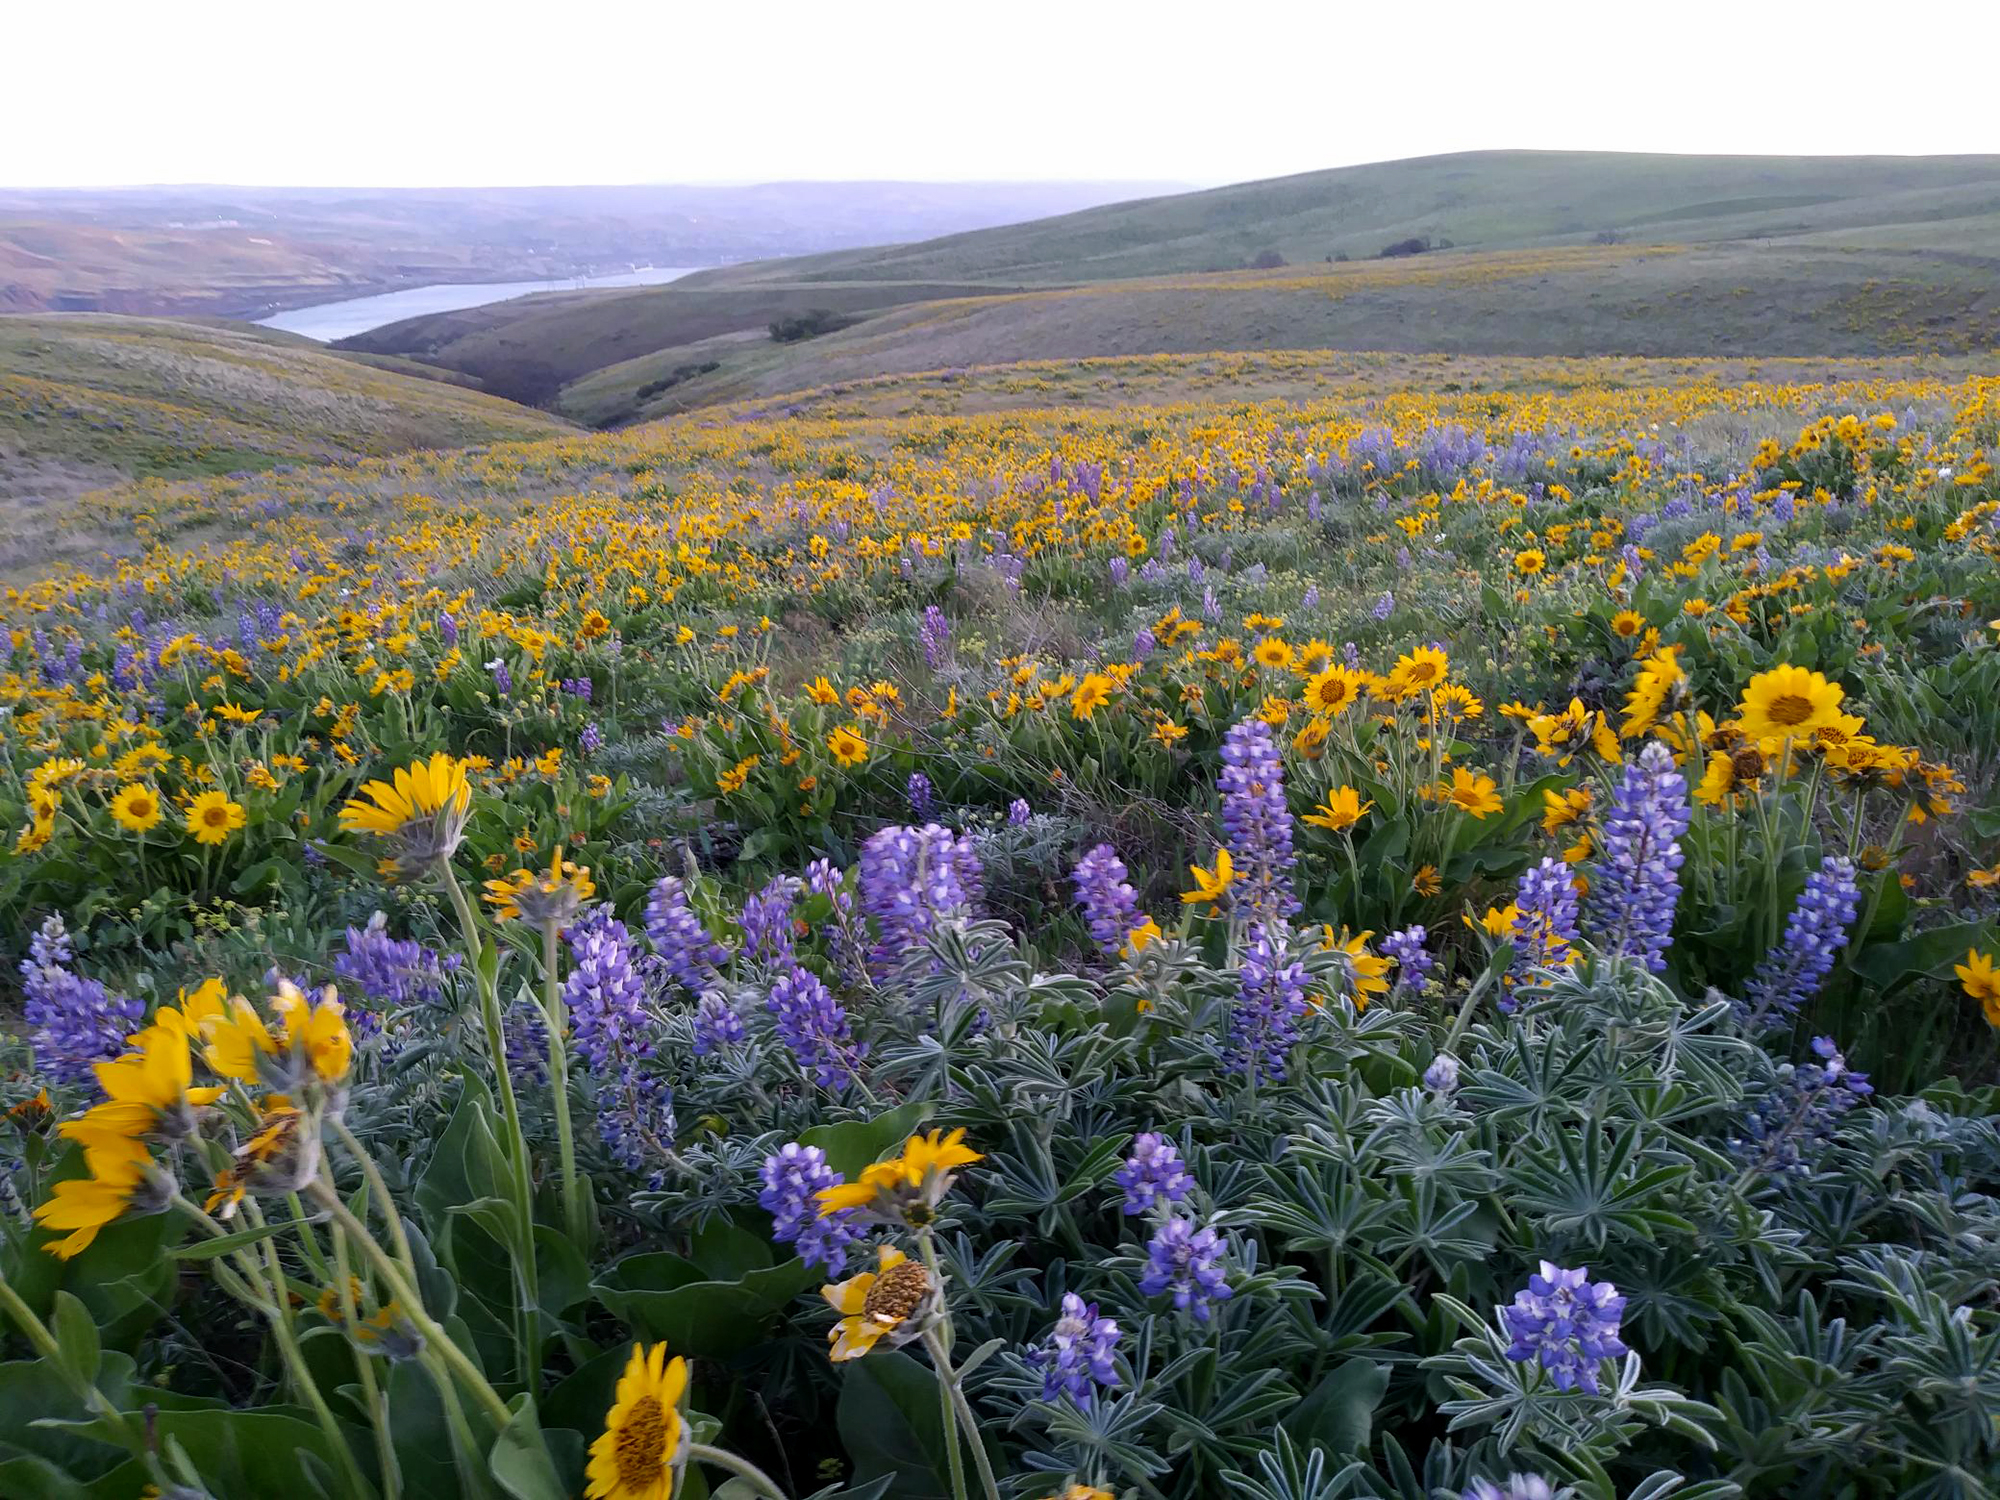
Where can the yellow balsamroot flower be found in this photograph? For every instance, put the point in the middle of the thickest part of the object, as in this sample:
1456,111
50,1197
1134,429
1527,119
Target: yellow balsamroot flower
890,1302
1091,695
136,807
1273,653
1529,561
1211,884
122,1180
1334,691
1416,672
423,812
905,1189
1425,882
1981,982
1342,809
540,898
1082,1492
310,1045
147,1092
847,746
1560,809
1659,677
1474,793
640,1453
212,817
1367,973
1788,703
1141,938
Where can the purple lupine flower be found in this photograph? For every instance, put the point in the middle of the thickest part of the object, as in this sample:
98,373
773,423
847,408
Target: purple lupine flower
1187,1262
591,740
677,935
1566,1323
1264,1026
503,680
1413,959
1144,644
1796,1116
1257,824
447,629
717,1027
1513,1487
604,993
1018,811
387,970
1635,883
1121,572
843,945
577,687
1309,600
814,1025
1441,1077
793,1176
935,634
918,790
1350,653
1384,607
767,922
913,879
1076,1356
1110,905
73,1024
1792,972
526,1037
635,1118
1153,1174
1544,921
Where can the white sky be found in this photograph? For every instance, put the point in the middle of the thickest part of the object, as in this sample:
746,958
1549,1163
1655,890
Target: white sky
422,92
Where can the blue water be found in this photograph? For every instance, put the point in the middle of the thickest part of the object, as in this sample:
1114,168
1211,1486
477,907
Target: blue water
327,321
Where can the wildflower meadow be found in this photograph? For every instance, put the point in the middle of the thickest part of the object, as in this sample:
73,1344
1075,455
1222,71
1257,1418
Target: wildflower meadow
1386,941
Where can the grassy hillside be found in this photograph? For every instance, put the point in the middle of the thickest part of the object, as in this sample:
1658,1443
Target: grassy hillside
1803,299
1550,253
527,347
1484,198
86,399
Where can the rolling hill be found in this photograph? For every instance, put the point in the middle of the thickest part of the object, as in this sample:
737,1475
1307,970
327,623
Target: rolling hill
89,399
1528,253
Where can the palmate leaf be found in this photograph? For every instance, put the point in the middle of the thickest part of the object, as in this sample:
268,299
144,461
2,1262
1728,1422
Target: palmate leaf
1591,1186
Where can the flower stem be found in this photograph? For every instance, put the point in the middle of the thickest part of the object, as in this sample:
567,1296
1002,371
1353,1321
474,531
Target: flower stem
413,1307
556,1022
742,1468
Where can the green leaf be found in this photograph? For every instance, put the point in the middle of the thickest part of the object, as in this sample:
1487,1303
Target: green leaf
1338,1414
854,1144
668,1297
891,1427
1929,954
76,1332
222,1244
520,1459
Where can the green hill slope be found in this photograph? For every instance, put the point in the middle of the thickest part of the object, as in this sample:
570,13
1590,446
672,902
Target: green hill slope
87,399
1484,198
1549,253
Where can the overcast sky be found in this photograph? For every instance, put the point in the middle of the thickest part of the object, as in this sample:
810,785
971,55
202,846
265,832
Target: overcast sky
419,92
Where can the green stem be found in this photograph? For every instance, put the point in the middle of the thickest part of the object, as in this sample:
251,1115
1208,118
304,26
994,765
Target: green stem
947,1414
413,1308
364,1368
1464,1017
378,1189
295,1363
527,1337
742,1468
556,1021
938,1340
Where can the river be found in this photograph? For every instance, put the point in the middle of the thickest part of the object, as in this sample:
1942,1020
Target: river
327,321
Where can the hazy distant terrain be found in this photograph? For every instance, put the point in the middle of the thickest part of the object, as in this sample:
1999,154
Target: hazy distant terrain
247,252
1507,253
